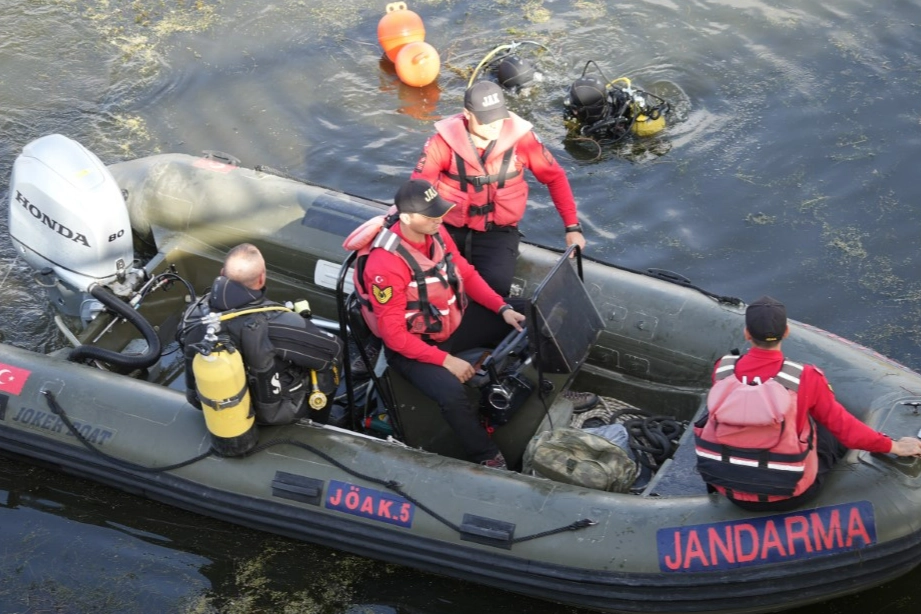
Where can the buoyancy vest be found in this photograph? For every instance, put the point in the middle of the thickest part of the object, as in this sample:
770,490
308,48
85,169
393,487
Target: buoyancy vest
748,447
435,299
277,387
491,190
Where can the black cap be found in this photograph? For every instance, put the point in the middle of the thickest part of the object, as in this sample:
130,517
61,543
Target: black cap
766,319
486,101
418,196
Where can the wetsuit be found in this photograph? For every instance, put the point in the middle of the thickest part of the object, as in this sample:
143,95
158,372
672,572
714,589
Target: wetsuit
289,346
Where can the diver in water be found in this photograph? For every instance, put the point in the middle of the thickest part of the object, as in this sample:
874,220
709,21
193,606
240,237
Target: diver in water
610,110
602,110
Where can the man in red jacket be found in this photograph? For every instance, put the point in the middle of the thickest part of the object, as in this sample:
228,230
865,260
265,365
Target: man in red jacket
477,160
763,382
418,284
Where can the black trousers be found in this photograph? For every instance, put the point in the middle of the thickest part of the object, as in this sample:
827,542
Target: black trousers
492,253
483,329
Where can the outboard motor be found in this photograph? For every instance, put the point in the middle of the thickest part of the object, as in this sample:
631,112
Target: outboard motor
69,222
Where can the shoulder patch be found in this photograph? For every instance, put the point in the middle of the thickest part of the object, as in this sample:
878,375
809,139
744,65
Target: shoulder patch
382,295
420,165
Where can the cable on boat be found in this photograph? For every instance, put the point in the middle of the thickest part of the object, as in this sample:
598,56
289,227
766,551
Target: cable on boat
58,411
654,439
392,485
163,280
125,310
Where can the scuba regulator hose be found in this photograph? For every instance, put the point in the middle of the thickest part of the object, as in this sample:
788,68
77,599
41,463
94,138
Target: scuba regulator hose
142,361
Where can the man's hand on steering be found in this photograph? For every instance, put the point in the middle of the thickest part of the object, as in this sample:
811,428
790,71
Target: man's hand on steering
461,369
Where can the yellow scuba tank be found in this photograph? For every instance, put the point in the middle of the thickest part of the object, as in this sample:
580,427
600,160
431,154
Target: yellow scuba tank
646,126
220,380
648,121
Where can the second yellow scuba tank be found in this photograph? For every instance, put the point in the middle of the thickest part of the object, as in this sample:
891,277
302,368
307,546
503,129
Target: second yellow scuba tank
645,125
220,379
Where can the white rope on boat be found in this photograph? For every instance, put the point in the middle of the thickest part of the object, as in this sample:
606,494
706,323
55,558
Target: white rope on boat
605,411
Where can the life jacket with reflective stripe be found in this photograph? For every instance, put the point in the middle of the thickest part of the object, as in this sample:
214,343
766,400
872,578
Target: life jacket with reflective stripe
435,299
749,448
487,190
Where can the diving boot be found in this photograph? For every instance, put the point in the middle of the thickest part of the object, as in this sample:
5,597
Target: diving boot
581,401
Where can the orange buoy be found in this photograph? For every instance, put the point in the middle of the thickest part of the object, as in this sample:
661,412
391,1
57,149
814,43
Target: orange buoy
417,64
399,27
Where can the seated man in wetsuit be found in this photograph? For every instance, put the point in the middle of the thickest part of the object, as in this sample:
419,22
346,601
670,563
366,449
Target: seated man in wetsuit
279,347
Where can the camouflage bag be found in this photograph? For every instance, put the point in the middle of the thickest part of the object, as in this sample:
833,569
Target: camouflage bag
574,456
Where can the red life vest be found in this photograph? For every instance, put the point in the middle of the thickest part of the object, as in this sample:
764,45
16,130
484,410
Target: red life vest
749,448
435,299
493,191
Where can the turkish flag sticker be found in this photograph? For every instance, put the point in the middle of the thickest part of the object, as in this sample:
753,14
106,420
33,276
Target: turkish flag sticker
12,379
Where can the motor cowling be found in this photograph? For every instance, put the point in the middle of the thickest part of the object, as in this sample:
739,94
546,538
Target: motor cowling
68,220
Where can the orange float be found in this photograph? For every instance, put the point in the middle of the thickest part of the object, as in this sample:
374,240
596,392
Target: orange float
418,64
397,28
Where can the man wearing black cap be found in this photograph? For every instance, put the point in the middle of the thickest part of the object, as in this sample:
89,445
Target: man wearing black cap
745,448
417,286
476,160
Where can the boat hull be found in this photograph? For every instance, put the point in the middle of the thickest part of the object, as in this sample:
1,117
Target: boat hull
671,548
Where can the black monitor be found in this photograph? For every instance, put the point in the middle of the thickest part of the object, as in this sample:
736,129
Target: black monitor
563,323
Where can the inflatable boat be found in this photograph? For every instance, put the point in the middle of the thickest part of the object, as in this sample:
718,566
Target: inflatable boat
121,250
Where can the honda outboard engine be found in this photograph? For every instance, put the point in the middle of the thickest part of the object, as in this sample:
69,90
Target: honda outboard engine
68,220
